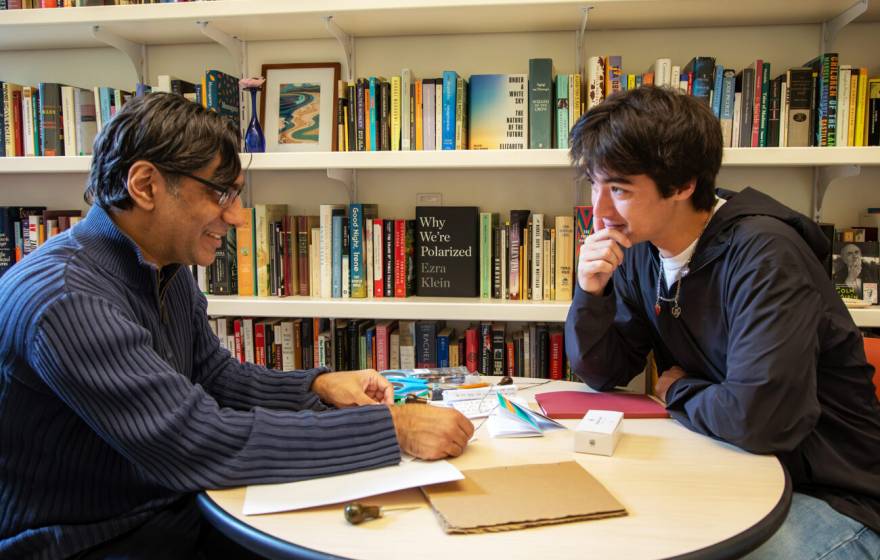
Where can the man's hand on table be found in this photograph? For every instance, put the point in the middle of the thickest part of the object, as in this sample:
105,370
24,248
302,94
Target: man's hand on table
666,379
353,388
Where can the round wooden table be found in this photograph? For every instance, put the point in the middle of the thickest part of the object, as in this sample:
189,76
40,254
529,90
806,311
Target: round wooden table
687,496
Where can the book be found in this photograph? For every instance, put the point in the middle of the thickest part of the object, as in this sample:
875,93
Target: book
358,215
800,113
498,116
515,419
540,115
221,94
447,251
574,404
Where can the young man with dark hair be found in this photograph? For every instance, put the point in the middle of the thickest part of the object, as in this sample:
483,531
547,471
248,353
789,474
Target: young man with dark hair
117,403
729,292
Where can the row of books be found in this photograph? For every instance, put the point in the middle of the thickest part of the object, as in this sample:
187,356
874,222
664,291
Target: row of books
821,103
484,112
54,119
24,228
350,252
34,4
489,348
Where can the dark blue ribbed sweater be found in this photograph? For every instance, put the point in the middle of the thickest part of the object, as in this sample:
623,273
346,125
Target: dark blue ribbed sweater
117,402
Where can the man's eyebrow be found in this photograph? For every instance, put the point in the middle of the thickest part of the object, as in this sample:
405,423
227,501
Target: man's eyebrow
614,179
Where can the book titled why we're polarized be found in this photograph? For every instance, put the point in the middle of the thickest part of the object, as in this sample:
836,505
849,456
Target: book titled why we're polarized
447,251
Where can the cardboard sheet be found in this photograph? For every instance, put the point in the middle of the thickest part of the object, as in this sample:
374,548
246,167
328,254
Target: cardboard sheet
516,497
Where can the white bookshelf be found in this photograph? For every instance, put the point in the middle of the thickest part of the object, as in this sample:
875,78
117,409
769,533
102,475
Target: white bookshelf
469,159
267,20
471,36
418,308
411,308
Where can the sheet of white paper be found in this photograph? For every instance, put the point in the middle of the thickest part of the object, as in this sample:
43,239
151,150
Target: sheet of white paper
269,498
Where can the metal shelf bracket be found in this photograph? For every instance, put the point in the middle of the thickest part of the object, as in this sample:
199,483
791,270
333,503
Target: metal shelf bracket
823,177
832,27
347,177
137,53
233,45
579,37
346,41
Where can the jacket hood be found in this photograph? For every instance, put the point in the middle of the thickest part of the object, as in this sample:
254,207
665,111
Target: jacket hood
750,202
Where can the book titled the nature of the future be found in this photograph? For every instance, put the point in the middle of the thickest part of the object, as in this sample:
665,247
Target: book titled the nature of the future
447,251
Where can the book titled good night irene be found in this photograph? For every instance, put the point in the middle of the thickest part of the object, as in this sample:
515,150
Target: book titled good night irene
447,251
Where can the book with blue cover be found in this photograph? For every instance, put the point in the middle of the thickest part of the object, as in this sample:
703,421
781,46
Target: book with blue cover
498,112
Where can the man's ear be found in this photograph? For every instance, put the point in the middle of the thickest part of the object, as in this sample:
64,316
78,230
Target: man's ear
686,190
142,187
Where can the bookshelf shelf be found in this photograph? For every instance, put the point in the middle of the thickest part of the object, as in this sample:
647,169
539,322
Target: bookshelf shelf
415,308
469,159
252,20
412,308
868,317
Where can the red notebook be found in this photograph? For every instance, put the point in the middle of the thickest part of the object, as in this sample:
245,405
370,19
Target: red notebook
574,404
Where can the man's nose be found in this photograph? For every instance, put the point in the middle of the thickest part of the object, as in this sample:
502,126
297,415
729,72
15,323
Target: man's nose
601,203
234,215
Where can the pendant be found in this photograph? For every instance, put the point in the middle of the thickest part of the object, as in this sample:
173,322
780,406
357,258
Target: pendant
657,309
676,310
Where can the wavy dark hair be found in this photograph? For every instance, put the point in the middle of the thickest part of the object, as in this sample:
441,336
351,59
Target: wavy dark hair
173,133
655,131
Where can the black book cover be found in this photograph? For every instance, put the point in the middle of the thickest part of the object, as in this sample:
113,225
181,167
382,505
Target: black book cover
498,349
306,341
485,348
51,132
447,251
352,118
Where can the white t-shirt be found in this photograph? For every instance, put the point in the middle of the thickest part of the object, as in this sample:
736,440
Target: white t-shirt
672,266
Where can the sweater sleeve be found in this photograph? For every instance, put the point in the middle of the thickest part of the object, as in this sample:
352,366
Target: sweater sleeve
767,402
607,337
244,385
102,365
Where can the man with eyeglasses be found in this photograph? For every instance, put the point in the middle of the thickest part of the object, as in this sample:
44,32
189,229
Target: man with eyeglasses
117,403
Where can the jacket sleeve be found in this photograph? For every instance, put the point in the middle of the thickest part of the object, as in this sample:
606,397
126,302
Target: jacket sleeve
244,385
102,365
767,402
607,337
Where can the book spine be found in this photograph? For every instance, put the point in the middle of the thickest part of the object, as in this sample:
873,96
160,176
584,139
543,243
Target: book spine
449,90
472,349
540,103
388,257
356,232
378,259
764,125
405,85
537,252
395,113
400,258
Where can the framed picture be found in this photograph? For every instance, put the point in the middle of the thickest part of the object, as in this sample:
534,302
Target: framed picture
298,107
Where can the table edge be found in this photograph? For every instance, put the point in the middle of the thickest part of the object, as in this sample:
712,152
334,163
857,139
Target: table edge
278,549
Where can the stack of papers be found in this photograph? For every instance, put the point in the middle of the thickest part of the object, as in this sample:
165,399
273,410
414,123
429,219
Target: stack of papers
515,419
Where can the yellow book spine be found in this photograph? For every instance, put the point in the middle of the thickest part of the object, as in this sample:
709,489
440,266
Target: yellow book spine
395,113
862,103
853,100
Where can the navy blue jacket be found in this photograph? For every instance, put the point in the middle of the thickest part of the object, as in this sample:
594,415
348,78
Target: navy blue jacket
774,361
117,404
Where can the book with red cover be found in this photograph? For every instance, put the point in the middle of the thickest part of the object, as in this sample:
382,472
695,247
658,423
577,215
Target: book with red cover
574,404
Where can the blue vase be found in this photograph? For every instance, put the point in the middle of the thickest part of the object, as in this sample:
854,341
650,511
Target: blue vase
254,141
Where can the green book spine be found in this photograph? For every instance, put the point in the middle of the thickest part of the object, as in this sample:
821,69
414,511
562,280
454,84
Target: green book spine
540,103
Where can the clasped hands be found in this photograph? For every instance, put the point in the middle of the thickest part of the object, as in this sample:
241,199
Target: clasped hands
423,431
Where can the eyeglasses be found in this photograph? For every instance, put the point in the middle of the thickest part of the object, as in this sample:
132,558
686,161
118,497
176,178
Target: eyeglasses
227,194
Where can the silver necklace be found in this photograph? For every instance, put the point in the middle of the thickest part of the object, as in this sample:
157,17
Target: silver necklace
676,308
